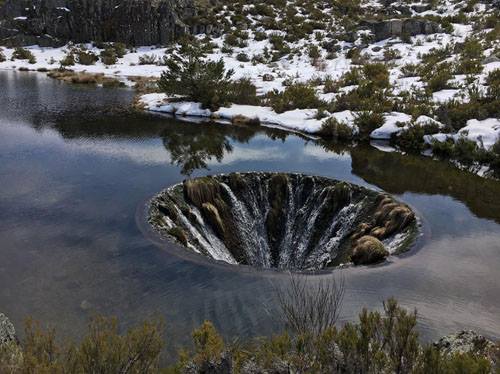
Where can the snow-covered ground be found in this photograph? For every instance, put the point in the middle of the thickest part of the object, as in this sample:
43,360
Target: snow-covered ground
297,67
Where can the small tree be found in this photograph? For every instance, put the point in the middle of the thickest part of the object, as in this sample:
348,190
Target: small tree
197,80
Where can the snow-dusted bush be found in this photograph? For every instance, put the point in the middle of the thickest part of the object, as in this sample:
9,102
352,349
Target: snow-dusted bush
84,57
333,129
295,96
23,54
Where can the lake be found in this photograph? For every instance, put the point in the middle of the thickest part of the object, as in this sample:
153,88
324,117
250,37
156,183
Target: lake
77,168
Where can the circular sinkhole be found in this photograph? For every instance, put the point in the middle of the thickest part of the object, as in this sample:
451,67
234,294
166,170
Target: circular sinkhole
283,221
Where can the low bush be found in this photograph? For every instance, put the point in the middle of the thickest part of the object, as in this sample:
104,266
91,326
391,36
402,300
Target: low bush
109,56
437,79
85,57
466,152
383,341
242,57
148,59
102,350
2,56
68,60
244,92
21,53
295,96
493,83
333,129
455,113
368,121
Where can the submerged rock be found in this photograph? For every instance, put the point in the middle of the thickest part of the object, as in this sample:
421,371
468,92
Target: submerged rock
285,221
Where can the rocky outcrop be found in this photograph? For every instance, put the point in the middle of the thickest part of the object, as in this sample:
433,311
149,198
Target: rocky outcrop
470,342
134,22
285,221
401,28
7,331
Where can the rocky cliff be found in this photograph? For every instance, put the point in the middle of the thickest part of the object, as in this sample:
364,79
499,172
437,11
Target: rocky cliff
134,22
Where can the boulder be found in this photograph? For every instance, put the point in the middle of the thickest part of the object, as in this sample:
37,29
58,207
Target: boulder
490,59
7,331
401,27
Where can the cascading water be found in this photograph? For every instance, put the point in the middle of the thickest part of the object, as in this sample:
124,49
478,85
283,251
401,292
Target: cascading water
285,221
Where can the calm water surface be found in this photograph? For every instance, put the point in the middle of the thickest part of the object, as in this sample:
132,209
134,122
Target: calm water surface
75,169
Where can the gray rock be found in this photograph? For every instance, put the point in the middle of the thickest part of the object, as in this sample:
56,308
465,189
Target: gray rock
7,331
420,8
470,342
134,22
490,59
401,27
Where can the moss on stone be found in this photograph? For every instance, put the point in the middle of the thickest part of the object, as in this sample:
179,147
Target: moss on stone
179,234
211,214
201,190
368,250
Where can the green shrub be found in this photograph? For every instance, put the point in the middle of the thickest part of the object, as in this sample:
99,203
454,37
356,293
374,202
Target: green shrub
295,96
351,77
368,121
148,59
85,57
259,36
68,60
438,78
102,350
109,56
2,56
23,54
243,92
469,66
493,83
443,149
455,113
463,150
314,52
411,139
120,49
206,82
466,151
333,129
242,57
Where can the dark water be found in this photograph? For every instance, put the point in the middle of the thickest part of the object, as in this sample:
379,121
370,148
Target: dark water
74,172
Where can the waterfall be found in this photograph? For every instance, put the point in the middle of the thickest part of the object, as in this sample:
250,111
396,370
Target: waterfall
286,221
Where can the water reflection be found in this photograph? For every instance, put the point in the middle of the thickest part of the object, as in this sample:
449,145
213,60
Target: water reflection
72,187
397,174
192,148
195,146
